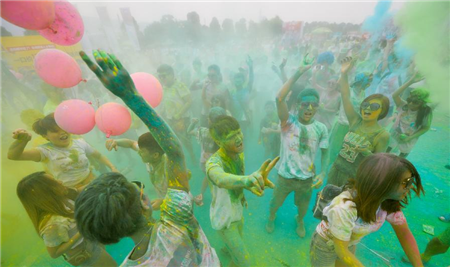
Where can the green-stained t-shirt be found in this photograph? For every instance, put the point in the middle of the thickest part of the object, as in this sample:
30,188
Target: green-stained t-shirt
226,205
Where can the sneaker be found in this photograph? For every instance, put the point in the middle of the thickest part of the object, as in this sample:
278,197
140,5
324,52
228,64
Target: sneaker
301,232
270,226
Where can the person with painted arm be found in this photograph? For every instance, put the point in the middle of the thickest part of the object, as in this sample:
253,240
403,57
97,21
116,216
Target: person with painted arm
365,136
226,171
301,137
123,210
65,157
363,207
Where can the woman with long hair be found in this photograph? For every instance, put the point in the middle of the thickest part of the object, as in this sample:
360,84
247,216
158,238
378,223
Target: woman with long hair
365,136
413,119
50,206
381,190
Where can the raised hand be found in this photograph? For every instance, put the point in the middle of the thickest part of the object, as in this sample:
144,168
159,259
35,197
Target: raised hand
21,135
111,144
347,64
111,73
257,181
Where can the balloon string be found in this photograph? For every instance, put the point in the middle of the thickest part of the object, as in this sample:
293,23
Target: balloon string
83,80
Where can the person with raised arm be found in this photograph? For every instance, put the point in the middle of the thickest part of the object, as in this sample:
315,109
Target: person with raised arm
112,208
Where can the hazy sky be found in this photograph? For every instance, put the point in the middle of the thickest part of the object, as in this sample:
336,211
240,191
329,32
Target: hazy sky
147,11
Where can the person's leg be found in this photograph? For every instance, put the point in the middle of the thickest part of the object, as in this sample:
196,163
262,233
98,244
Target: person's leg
320,253
403,155
437,245
302,198
336,138
389,149
234,243
280,192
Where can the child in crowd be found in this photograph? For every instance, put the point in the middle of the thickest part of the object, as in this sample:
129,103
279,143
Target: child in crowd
64,157
50,206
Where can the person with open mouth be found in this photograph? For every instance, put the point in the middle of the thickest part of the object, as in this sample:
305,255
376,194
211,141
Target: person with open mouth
64,157
301,138
365,136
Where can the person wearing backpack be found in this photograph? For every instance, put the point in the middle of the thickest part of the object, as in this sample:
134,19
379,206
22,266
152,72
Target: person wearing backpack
383,186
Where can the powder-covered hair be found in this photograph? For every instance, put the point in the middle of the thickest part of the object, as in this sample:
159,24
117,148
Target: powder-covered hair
109,209
223,126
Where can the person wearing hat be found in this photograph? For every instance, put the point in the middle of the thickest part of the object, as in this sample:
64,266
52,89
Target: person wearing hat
357,92
413,119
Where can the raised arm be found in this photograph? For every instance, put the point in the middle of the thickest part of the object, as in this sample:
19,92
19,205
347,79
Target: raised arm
17,150
347,65
118,81
397,94
282,108
125,143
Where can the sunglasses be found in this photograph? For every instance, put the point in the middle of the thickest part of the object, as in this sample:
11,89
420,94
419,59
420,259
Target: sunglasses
415,101
408,182
373,106
307,104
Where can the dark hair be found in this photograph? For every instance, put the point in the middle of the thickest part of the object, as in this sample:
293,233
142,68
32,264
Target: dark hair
384,104
215,113
423,112
109,209
377,176
223,126
221,99
148,142
42,196
308,92
165,68
216,68
48,123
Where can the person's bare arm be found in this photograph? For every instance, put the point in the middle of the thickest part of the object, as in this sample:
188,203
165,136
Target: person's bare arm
57,251
17,150
125,143
282,108
347,65
344,254
104,160
408,242
397,94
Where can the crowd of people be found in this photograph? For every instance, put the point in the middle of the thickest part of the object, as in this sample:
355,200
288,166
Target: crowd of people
350,103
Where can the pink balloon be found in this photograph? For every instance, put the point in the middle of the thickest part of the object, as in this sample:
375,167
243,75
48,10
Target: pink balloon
149,87
68,27
57,68
75,116
31,15
113,119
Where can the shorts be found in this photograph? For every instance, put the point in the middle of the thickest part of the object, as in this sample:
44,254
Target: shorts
322,253
284,186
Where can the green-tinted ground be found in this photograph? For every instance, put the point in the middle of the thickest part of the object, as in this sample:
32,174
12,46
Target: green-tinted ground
22,247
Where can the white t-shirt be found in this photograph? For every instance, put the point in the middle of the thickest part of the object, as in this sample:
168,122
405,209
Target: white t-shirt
344,224
227,204
296,161
69,164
